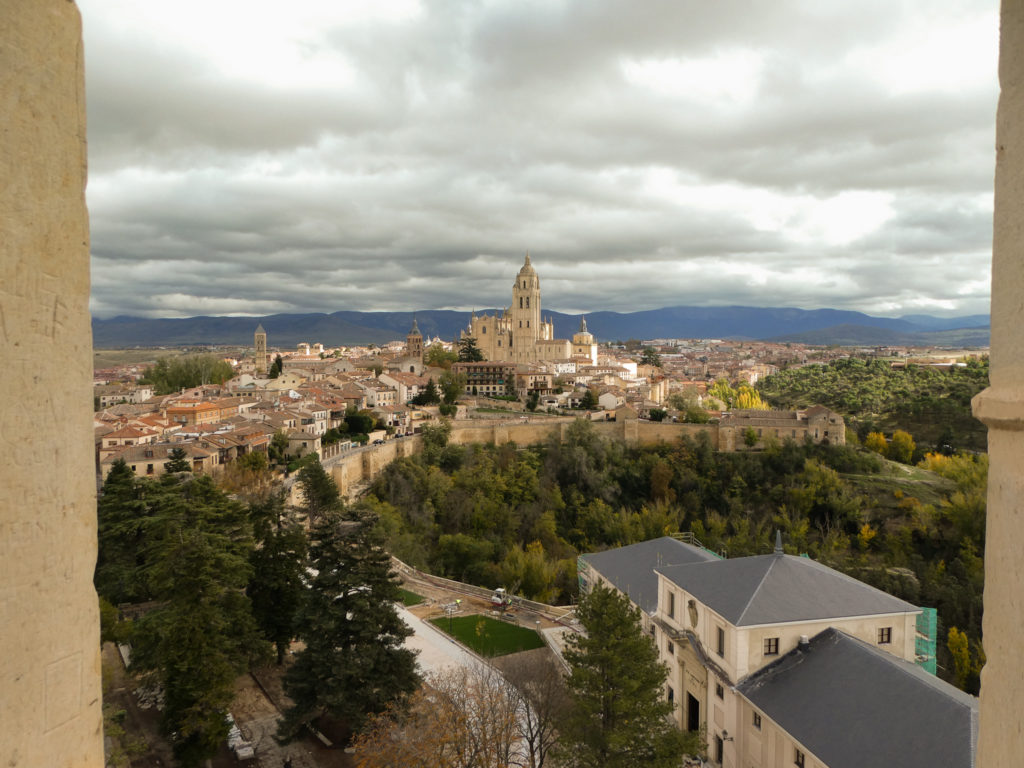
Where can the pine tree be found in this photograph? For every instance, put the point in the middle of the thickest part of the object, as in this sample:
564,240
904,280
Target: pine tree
178,461
319,491
121,514
354,663
469,352
201,634
619,716
278,564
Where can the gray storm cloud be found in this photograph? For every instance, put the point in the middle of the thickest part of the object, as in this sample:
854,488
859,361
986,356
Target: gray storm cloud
782,154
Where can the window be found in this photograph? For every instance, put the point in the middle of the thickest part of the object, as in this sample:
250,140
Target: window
798,759
720,647
671,604
528,306
719,749
884,635
670,649
771,646
719,691
149,469
483,330
757,721
671,696
520,302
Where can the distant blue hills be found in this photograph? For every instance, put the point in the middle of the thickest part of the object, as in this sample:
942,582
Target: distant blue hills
809,326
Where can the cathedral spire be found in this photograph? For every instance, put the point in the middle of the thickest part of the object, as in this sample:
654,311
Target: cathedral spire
583,324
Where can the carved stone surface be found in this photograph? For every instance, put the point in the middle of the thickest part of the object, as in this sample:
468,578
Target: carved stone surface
1001,408
50,709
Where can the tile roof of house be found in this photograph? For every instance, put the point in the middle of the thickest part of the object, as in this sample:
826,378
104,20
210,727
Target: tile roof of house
770,589
853,705
631,568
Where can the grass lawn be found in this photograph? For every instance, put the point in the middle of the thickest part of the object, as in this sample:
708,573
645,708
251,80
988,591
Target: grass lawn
410,599
487,636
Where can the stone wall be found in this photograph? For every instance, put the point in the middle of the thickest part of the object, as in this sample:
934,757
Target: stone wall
1001,408
50,709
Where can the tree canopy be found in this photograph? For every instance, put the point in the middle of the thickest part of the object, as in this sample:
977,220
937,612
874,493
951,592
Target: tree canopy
619,716
353,664
171,374
469,352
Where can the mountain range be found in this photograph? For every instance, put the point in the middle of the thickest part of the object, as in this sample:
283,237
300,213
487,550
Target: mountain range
814,326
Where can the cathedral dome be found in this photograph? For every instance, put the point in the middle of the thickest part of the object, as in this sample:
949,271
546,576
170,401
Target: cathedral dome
527,268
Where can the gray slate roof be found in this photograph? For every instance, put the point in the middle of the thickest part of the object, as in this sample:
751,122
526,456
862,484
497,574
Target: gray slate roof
631,568
853,705
770,589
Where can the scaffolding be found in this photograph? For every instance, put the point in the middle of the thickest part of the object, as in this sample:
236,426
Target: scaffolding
925,639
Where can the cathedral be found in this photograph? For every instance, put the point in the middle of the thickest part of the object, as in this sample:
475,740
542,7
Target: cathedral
521,335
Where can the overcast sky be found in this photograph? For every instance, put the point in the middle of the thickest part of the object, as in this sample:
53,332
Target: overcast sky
251,157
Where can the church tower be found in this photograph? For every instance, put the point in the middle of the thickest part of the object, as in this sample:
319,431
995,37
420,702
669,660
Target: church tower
525,313
414,342
260,353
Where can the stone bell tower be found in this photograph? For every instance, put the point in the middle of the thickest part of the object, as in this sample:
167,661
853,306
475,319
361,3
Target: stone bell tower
525,313
260,349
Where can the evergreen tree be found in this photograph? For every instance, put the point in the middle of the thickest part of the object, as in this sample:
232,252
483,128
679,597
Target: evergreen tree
429,395
278,564
201,634
354,663
619,716
121,514
469,352
276,367
319,491
650,356
589,400
178,461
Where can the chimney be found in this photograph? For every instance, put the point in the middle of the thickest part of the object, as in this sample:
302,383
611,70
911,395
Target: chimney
804,644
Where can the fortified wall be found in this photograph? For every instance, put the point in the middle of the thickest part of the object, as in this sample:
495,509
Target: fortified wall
353,470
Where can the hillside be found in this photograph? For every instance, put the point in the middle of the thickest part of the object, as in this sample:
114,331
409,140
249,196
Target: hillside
819,326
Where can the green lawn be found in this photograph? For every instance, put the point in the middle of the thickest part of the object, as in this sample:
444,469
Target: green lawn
410,599
487,636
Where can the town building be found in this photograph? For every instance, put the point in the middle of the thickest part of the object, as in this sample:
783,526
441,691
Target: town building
785,661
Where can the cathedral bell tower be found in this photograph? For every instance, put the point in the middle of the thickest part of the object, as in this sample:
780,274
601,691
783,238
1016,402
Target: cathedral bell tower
525,313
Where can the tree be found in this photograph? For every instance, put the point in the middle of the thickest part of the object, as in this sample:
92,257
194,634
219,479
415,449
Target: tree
748,399
359,422
172,374
657,414
619,717
532,400
200,634
902,447
543,700
429,395
650,356
278,569
589,400
121,513
354,663
452,385
178,461
875,441
437,356
721,390
750,437
276,367
469,352
278,447
461,718
319,491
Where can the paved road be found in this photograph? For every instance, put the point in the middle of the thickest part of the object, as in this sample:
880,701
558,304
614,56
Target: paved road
437,651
